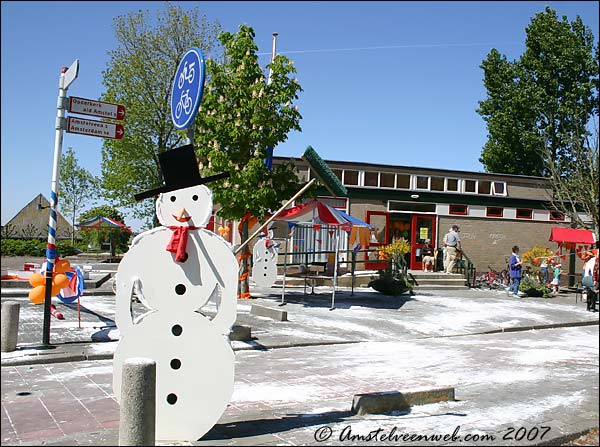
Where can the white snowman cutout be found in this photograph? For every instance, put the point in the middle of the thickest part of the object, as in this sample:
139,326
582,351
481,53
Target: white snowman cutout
194,360
264,261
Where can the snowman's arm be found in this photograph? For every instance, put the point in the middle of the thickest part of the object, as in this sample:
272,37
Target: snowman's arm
224,267
124,317
227,309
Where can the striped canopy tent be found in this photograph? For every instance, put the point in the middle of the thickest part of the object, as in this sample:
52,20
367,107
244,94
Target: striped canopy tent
105,223
318,213
315,212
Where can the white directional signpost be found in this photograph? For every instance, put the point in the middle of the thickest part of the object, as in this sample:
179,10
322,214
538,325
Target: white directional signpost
95,128
67,76
80,126
186,92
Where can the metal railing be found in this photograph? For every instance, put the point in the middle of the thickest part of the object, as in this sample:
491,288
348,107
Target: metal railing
467,268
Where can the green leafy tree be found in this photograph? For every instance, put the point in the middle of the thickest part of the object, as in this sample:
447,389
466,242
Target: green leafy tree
139,75
96,237
544,99
77,188
240,117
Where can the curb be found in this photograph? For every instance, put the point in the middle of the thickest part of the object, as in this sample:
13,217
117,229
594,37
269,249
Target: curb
253,345
7,293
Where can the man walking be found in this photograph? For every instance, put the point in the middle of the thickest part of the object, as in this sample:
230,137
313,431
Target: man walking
452,247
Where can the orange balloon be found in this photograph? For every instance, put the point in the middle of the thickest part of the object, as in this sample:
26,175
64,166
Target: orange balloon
37,279
62,265
37,295
61,280
55,289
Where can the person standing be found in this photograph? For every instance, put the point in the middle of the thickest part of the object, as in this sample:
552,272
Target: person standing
544,270
452,246
427,257
515,267
556,279
444,250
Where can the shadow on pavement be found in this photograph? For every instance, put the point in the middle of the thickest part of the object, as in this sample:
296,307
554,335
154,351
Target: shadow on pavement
343,300
257,427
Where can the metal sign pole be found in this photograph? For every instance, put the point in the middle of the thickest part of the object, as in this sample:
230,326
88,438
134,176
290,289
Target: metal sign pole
67,76
335,268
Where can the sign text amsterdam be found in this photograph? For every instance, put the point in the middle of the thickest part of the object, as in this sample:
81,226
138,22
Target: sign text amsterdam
94,128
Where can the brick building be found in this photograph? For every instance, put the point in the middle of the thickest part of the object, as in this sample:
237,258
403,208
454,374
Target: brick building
494,211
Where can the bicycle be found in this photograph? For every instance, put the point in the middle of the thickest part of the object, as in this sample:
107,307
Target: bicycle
185,103
187,74
492,279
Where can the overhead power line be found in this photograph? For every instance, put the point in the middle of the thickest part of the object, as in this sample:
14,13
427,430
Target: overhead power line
392,47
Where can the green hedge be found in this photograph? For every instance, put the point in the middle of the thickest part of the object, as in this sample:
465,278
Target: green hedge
35,248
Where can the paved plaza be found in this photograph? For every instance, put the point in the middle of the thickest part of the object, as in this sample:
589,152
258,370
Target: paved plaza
524,371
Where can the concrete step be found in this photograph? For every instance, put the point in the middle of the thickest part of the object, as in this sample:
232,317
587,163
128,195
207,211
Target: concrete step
440,287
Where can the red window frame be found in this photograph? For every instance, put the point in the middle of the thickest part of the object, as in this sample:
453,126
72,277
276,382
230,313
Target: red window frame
560,216
461,213
488,212
521,210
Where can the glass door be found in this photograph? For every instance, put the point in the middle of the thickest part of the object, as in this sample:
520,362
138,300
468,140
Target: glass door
422,229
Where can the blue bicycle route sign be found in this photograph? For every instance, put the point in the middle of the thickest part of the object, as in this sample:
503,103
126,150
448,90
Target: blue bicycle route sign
187,89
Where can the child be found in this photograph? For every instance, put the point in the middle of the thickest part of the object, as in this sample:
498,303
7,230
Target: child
556,280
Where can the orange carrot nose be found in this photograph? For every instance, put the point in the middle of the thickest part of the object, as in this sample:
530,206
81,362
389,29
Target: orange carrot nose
182,213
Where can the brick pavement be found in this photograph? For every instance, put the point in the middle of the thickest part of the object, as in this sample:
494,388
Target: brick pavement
282,396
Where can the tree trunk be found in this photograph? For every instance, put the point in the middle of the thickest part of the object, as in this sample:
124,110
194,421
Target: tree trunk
244,283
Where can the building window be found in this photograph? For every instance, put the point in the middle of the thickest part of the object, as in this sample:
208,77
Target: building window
371,178
499,188
524,213
485,187
422,182
351,178
458,209
452,184
437,183
557,215
470,186
337,202
386,180
494,211
338,173
411,207
403,181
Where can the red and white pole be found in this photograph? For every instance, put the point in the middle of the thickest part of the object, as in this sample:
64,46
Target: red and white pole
67,76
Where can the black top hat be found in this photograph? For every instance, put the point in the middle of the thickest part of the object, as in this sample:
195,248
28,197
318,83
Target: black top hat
180,170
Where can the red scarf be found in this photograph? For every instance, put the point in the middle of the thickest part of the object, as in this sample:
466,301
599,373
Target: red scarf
178,242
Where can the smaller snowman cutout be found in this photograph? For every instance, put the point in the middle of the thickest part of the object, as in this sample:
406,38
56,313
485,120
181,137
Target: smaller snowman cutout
264,260
175,270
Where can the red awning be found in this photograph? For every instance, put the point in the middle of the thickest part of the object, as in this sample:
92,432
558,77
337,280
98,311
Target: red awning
561,235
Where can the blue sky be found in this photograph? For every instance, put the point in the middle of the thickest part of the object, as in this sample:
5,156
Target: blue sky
384,82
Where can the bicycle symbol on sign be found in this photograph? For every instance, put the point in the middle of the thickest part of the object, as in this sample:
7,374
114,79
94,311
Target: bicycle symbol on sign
185,102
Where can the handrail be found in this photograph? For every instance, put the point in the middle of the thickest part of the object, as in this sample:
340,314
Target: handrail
469,269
